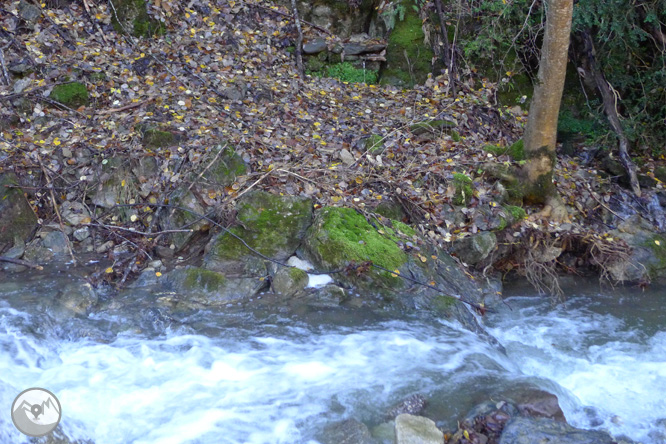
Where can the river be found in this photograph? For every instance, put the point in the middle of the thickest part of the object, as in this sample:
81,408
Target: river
276,377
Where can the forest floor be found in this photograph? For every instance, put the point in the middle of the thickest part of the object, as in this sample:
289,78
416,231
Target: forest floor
223,75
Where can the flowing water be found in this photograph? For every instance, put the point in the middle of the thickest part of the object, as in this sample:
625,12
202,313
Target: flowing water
272,377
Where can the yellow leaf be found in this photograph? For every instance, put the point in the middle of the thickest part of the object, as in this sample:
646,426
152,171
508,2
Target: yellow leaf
395,273
423,258
657,242
109,270
465,432
56,141
122,184
158,274
133,217
359,180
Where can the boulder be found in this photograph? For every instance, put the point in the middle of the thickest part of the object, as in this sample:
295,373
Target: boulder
272,225
648,255
289,281
315,46
411,429
521,430
211,288
475,248
17,220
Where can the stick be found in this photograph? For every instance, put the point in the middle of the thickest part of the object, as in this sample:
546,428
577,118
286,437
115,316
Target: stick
124,108
20,262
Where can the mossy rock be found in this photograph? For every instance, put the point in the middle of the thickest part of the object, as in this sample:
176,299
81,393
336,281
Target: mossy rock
272,225
390,210
202,287
16,216
132,17
289,281
341,236
73,94
154,138
464,190
177,219
224,171
408,58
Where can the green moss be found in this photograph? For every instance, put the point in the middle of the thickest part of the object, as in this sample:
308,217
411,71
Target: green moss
516,150
226,168
518,213
132,16
443,303
352,238
374,143
657,244
455,136
313,64
272,225
202,279
154,138
298,275
347,72
408,58
403,228
432,126
464,189
73,94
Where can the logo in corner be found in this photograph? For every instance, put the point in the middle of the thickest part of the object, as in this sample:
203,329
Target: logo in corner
36,412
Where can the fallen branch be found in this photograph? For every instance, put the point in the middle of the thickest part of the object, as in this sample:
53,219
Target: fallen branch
20,262
124,108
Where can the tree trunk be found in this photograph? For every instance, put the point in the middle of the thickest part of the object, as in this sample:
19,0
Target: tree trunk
610,109
446,54
541,130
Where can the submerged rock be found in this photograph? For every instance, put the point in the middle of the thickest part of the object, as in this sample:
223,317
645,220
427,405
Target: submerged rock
523,430
349,431
412,405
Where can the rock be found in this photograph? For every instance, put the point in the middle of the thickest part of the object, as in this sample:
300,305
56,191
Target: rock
327,296
339,237
82,234
74,213
648,255
21,84
113,173
363,48
346,157
272,225
78,298
522,430
289,281
412,405
538,404
349,431
29,12
411,429
475,248
224,171
235,92
56,242
211,288
315,46
16,216
174,219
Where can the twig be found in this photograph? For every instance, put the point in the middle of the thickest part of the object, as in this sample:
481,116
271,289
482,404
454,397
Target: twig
20,262
96,23
251,186
142,233
124,108
299,40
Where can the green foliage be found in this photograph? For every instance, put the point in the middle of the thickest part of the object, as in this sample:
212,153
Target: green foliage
347,72
505,42
71,94
132,16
